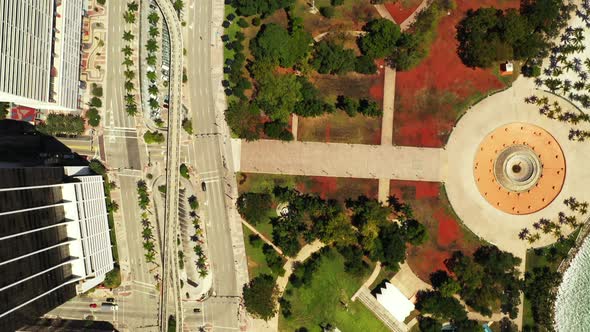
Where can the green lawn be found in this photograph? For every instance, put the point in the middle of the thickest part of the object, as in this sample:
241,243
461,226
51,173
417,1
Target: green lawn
256,261
321,301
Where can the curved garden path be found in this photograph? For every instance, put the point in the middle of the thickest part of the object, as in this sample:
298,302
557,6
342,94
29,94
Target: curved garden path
272,324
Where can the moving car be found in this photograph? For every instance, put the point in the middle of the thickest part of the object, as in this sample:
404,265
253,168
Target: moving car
106,306
93,305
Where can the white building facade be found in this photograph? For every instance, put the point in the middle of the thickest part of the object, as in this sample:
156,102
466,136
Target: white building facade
40,47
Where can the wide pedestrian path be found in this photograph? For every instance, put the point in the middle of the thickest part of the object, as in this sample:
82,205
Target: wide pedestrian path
343,160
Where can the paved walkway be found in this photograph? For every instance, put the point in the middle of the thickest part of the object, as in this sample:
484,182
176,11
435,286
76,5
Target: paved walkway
384,12
408,21
264,238
369,280
272,324
342,160
407,282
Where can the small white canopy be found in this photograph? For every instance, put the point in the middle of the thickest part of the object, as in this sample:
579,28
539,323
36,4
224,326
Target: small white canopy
395,302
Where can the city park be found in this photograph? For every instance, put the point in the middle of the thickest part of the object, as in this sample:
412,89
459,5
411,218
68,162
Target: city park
465,193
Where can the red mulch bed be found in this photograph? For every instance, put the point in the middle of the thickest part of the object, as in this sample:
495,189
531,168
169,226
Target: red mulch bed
338,188
423,120
446,234
400,11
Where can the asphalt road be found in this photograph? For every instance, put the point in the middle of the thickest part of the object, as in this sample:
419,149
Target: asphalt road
131,315
122,150
205,153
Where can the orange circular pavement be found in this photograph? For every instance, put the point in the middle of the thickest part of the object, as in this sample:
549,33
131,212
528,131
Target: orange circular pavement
519,168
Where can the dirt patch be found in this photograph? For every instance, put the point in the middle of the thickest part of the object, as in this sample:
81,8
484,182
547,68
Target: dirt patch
353,15
445,231
402,9
338,188
338,127
430,97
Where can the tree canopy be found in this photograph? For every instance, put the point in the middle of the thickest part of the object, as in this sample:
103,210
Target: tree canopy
331,58
276,44
490,277
278,95
254,207
381,38
487,35
260,7
62,124
260,296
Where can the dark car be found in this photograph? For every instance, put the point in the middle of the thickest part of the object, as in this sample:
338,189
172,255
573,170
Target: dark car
110,299
203,186
197,310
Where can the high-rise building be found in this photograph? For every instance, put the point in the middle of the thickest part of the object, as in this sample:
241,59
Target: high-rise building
40,45
54,239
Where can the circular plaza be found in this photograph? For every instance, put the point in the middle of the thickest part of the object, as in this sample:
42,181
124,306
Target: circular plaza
507,166
519,168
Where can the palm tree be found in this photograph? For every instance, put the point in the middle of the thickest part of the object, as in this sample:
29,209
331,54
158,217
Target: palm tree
153,103
533,238
129,86
201,262
145,223
203,273
153,17
523,233
151,75
129,17
148,245
127,50
151,60
198,250
128,36
153,90
147,234
178,5
131,109
151,46
127,62
154,32
129,74
150,257
129,98
133,6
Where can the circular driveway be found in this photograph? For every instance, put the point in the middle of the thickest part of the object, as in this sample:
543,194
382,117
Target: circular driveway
481,217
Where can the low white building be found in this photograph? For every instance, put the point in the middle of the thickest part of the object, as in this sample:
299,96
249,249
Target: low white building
395,302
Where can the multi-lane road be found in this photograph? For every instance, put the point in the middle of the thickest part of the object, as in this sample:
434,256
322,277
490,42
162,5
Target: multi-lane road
120,134
206,152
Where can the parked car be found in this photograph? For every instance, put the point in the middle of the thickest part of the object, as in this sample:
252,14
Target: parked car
111,299
93,305
203,186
